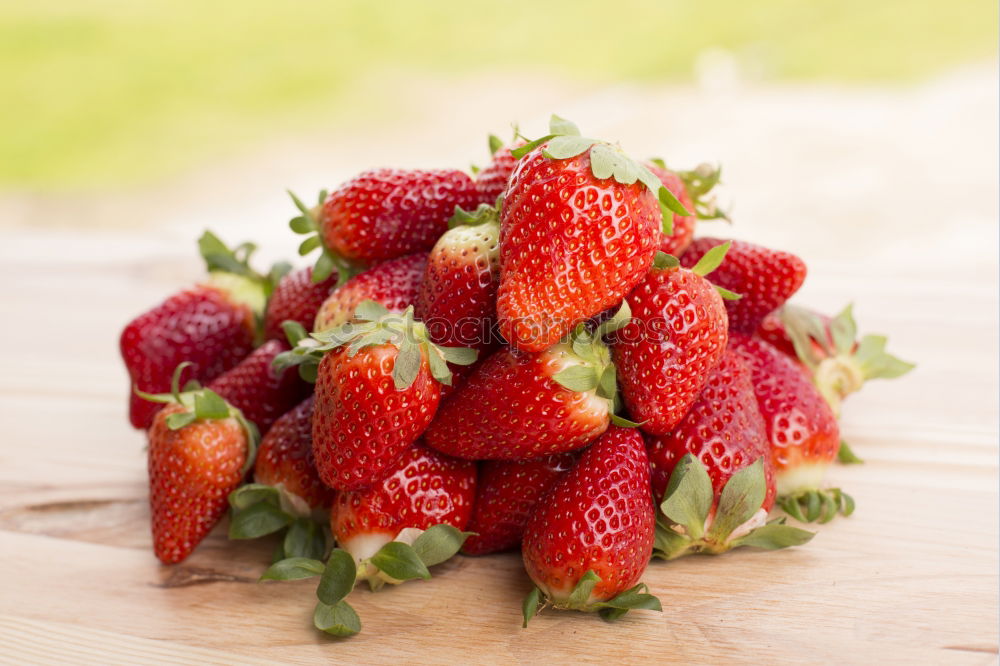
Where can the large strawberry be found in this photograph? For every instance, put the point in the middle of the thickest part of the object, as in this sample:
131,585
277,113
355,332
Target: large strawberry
457,298
802,431
591,536
764,278
518,405
721,493
508,491
491,180
579,225
394,284
296,298
199,449
211,325
677,334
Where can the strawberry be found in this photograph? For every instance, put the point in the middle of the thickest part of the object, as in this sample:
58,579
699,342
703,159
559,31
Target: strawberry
727,473
591,536
491,181
394,284
212,325
457,297
199,449
579,225
802,431
682,230
296,298
519,405
764,278
829,350
507,493
258,390
677,334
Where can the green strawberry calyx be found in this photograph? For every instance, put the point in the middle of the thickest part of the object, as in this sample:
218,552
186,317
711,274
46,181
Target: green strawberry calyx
308,224
258,510
372,325
484,214
699,183
821,505
708,263
606,161
685,523
634,598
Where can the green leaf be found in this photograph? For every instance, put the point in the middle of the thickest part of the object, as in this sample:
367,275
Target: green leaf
439,367
667,220
623,422
583,344
294,331
580,596
369,310
438,543
256,521
293,568
668,544
400,561
578,378
338,577
529,607
607,161
672,203
564,147
210,405
301,225
406,366
619,320
741,498
663,261
309,372
495,143
337,620
298,538
607,385
298,204
308,245
253,493
726,294
688,497
846,456
178,420
561,127
844,331
635,598
520,152
459,355
774,536
711,259
325,265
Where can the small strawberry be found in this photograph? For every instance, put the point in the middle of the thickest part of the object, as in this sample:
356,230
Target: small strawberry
681,231
199,449
258,390
721,477
393,284
829,350
211,325
491,181
508,491
579,225
296,298
801,428
591,536
520,405
764,278
457,298
677,334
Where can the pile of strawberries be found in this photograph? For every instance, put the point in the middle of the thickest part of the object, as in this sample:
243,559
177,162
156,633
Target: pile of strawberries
540,356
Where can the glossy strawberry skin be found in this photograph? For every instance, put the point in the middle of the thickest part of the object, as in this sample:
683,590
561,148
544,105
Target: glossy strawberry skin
262,394
598,516
801,427
506,497
510,408
764,278
422,488
191,473
387,213
491,182
680,239
571,246
296,298
457,297
677,335
285,458
723,429
395,284
361,423
201,325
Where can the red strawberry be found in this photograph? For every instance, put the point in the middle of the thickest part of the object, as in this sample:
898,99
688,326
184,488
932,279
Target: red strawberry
829,350
764,279
457,298
212,325
801,428
519,405
258,390
506,497
491,181
579,226
296,298
682,230
591,536
394,284
677,334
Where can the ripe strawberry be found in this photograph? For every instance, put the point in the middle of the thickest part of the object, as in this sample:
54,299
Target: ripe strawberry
491,181
519,405
591,536
579,225
457,298
801,428
682,230
507,493
258,390
296,298
677,334
199,447
394,284
764,278
212,325
829,350
727,472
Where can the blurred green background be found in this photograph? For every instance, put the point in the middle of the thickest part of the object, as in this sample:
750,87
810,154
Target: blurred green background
100,93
